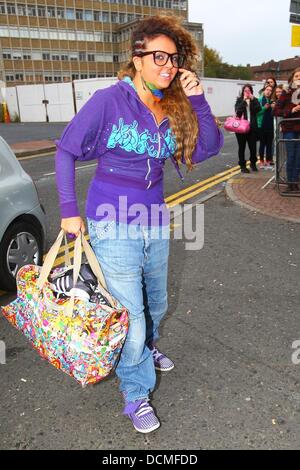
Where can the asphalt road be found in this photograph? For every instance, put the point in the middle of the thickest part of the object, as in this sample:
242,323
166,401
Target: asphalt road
232,320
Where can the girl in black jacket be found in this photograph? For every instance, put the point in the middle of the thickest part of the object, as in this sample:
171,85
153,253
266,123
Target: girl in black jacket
247,106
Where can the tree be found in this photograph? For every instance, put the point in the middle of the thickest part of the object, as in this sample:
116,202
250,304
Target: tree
212,62
214,67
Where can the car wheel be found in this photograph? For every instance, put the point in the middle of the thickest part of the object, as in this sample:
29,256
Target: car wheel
20,245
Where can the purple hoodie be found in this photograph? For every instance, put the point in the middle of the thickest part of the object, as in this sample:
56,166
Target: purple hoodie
117,129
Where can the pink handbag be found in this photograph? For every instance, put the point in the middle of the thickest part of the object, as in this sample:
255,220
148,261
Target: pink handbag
237,125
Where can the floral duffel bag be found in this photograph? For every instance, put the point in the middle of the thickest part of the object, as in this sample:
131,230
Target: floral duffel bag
80,335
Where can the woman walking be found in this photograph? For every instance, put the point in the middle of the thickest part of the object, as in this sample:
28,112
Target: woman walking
156,111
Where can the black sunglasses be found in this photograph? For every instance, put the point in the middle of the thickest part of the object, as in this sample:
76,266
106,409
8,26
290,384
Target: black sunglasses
161,58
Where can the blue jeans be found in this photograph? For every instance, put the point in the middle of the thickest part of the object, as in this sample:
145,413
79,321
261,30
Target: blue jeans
134,261
293,157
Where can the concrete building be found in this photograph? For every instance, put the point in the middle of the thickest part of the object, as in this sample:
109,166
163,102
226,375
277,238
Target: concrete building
62,40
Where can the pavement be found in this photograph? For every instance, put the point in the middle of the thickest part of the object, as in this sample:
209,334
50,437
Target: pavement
37,147
248,191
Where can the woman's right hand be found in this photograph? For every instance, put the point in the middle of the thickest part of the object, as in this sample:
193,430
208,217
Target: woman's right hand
296,109
73,225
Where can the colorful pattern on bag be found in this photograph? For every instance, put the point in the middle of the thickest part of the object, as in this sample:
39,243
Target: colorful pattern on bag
85,346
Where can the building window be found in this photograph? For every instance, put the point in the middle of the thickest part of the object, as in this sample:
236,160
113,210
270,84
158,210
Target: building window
55,57
20,77
21,9
115,38
97,16
106,37
51,12
89,37
31,10
75,76
26,56
146,3
161,4
44,33
57,78
41,11
11,9
98,37
46,56
60,12
91,57
79,14
122,17
73,57
17,55
6,55
88,15
153,3
92,75
168,4
53,34
105,17
64,57
82,56
115,58
62,35
83,76
2,9
114,17
70,14
48,78
9,78
36,55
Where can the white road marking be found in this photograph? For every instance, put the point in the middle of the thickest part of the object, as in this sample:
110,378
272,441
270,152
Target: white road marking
76,169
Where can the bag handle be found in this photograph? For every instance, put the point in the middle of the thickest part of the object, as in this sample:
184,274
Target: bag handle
67,251
81,243
90,255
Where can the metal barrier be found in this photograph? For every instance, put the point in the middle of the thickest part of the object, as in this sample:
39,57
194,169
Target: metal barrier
281,179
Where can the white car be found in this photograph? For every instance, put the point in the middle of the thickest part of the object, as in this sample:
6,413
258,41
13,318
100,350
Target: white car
22,219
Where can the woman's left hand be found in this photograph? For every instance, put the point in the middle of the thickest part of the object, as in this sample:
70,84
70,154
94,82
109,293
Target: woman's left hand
190,83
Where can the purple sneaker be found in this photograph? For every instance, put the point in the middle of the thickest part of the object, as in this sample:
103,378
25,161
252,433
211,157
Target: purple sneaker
161,362
142,416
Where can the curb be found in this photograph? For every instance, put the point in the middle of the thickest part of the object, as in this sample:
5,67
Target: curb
232,196
27,153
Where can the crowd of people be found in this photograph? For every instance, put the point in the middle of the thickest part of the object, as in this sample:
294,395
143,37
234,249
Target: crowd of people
274,101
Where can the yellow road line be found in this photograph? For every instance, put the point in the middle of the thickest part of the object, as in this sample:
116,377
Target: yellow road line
200,184
201,189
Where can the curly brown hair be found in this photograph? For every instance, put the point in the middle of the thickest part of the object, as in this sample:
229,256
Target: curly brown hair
183,120
291,77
